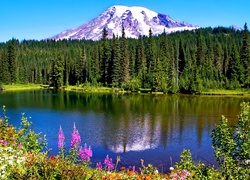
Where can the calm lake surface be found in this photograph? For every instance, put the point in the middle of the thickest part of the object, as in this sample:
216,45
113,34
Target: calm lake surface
153,128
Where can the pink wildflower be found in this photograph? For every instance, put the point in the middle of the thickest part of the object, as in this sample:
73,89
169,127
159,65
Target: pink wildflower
85,153
75,138
99,166
61,138
180,175
5,143
108,163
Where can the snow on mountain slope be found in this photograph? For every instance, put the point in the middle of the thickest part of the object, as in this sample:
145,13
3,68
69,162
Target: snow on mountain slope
135,20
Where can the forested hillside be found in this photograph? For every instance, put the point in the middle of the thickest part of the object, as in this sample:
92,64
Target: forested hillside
188,61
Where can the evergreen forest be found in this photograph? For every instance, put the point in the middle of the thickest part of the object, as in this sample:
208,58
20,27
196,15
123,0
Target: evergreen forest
186,62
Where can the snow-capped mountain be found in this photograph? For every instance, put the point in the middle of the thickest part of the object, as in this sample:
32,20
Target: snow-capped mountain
236,28
135,20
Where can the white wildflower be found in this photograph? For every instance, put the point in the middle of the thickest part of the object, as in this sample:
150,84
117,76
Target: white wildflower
171,169
10,162
3,167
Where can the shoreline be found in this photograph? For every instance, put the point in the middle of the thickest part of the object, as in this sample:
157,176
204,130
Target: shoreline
211,92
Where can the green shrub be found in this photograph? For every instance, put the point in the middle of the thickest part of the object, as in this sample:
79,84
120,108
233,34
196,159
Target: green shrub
232,146
24,136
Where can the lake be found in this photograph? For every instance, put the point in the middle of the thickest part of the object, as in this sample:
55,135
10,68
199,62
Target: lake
153,128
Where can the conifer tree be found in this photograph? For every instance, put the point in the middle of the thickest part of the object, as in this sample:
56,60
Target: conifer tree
57,73
116,59
66,71
150,59
235,69
245,55
209,60
226,61
140,61
176,77
161,69
200,54
158,76
124,58
105,58
95,64
218,60
181,58
150,53
164,59
81,68
132,50
12,60
5,74
193,74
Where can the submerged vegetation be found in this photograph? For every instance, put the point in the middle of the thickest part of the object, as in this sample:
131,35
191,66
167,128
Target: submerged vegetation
24,156
186,62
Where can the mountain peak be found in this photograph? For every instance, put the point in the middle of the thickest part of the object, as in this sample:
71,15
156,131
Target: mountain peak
134,9
136,21
236,28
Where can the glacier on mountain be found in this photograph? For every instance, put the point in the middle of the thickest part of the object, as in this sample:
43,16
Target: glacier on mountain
135,20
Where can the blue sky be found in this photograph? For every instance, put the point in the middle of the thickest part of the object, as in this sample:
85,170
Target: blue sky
39,19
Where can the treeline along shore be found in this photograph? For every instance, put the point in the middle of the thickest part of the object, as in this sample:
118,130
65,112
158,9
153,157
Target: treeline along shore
183,62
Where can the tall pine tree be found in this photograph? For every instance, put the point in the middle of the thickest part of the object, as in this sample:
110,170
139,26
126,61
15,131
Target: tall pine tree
164,59
81,68
12,60
140,61
245,56
115,61
181,58
57,73
200,54
94,74
150,59
235,69
124,58
5,73
105,58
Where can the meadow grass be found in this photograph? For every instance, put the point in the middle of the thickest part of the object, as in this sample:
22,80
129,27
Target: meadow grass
17,87
100,89
242,92
89,89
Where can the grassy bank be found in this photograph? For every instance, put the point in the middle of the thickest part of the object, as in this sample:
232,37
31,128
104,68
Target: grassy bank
18,87
99,89
239,92
89,89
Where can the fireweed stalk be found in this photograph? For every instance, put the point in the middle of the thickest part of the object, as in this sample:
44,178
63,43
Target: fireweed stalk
75,138
85,153
61,143
74,143
76,151
108,163
99,166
